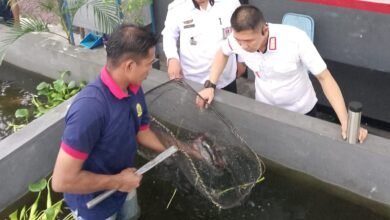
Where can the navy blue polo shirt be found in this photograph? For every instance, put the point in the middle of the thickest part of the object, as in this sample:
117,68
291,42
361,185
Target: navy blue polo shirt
100,128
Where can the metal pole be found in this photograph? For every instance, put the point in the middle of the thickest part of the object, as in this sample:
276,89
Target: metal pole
161,157
354,118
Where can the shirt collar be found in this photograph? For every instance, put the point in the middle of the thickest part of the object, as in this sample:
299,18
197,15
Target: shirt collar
272,40
114,87
209,6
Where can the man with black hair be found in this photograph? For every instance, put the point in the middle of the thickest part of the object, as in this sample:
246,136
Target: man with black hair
199,26
102,128
280,56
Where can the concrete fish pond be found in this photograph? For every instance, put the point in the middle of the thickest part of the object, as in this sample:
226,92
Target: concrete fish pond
321,172
17,87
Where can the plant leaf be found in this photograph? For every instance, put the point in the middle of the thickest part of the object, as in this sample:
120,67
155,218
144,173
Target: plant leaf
34,207
106,14
21,113
59,85
42,85
38,186
23,213
72,84
14,215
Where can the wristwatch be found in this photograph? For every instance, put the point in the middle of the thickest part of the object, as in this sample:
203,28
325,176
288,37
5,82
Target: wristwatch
209,84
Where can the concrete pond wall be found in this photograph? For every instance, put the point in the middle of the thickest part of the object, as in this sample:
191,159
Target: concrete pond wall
308,145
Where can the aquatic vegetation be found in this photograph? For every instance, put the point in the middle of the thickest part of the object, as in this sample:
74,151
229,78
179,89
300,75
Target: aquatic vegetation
50,212
49,95
21,114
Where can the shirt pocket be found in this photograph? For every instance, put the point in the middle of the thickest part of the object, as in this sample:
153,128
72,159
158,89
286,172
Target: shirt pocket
189,29
285,70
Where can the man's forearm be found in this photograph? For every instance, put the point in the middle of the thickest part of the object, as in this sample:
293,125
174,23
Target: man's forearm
85,182
148,139
333,94
217,67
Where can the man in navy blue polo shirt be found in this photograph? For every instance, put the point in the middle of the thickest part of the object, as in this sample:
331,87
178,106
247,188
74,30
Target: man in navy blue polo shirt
102,128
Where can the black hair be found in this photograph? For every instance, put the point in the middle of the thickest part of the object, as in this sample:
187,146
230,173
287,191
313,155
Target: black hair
129,41
247,17
197,5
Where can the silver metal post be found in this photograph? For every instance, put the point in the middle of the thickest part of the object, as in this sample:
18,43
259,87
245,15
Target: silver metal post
161,157
354,117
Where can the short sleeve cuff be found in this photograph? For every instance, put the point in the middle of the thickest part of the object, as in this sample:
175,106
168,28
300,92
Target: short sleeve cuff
73,152
144,127
318,68
226,47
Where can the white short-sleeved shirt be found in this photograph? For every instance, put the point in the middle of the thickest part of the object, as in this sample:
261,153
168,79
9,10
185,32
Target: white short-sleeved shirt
282,71
200,33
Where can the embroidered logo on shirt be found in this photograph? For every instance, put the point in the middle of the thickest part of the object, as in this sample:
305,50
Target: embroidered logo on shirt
226,31
139,110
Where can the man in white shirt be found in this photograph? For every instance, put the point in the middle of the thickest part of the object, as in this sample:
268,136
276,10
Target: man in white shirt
280,56
200,26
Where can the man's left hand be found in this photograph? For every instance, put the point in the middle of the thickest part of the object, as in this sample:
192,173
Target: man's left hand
362,134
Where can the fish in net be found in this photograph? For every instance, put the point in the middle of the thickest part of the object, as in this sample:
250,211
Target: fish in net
212,156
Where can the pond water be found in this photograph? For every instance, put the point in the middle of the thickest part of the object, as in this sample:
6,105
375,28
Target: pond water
16,89
284,194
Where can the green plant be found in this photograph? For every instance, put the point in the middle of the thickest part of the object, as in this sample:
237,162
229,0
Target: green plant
133,9
49,212
23,116
106,15
49,95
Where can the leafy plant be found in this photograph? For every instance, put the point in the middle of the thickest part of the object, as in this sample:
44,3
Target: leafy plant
50,212
21,115
133,9
107,16
51,95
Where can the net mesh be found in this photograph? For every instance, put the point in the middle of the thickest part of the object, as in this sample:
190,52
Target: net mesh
212,156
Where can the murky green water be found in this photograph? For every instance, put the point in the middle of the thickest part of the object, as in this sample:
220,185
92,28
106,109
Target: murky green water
16,89
12,97
283,195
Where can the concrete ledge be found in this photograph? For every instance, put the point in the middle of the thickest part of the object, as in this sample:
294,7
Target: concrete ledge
29,154
48,54
301,143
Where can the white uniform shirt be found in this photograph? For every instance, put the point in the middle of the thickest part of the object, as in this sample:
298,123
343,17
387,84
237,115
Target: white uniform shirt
281,72
201,33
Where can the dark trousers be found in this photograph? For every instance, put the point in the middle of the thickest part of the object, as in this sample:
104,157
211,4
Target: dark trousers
313,111
232,87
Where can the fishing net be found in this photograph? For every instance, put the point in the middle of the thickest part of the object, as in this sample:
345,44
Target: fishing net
212,156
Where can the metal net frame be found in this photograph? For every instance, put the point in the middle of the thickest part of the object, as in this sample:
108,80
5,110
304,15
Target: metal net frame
218,163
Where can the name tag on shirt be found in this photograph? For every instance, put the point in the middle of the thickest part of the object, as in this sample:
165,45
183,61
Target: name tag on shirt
189,26
226,32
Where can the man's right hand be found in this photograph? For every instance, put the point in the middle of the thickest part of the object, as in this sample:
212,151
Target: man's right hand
128,180
207,95
174,69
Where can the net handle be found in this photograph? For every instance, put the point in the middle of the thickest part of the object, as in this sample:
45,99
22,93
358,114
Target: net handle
161,157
